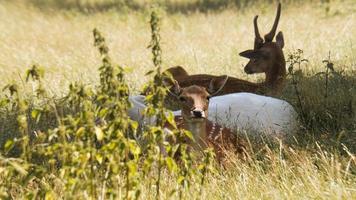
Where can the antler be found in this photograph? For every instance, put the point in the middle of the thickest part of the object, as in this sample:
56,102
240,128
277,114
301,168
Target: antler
258,38
270,35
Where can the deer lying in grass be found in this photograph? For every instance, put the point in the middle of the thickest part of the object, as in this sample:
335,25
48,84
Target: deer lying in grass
194,104
266,57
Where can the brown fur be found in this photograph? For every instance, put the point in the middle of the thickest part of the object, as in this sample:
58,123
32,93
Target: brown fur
221,139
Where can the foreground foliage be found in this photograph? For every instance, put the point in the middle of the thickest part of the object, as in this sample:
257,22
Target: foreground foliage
85,146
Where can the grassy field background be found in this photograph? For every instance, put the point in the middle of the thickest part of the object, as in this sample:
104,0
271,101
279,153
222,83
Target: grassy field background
204,36
61,40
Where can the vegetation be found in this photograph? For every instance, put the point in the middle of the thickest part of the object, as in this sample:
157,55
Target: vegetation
64,129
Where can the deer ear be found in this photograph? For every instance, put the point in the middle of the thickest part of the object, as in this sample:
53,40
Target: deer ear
255,54
217,84
280,39
252,54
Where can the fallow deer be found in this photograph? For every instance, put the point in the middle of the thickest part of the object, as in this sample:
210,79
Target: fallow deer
266,57
194,104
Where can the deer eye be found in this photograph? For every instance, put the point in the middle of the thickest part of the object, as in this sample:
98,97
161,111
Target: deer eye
182,99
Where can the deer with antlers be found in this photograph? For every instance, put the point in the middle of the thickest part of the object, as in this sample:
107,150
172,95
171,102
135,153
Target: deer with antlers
266,57
194,104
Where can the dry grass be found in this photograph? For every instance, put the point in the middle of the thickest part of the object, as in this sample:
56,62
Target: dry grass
62,43
209,43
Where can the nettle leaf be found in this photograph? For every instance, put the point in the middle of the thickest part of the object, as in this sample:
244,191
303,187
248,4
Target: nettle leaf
36,114
9,145
149,97
80,131
134,125
189,134
134,148
132,166
4,102
175,148
170,120
99,158
99,133
171,164
103,112
128,69
180,179
201,167
22,120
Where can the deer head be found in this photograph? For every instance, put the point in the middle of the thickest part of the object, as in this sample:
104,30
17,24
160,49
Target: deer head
266,53
194,104
194,100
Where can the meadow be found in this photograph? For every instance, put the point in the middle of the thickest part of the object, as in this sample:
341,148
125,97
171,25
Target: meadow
49,144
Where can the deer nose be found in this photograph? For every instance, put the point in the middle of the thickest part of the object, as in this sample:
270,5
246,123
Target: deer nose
198,113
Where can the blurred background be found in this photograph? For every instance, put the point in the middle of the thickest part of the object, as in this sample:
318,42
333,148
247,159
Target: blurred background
171,6
201,35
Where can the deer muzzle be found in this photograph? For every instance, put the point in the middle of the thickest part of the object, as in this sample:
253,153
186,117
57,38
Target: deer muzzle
198,113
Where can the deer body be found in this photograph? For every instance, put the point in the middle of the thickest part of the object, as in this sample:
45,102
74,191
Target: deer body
194,103
254,113
210,134
272,86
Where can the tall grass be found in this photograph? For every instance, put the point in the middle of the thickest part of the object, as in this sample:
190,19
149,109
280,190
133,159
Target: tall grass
64,132
199,42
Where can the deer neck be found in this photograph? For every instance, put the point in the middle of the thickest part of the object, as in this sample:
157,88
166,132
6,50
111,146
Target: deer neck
275,78
198,130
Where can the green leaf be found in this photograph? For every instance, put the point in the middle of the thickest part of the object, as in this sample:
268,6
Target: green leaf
132,166
170,120
4,102
99,133
50,195
36,114
9,145
189,135
171,164
80,131
99,158
103,112
134,148
180,179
